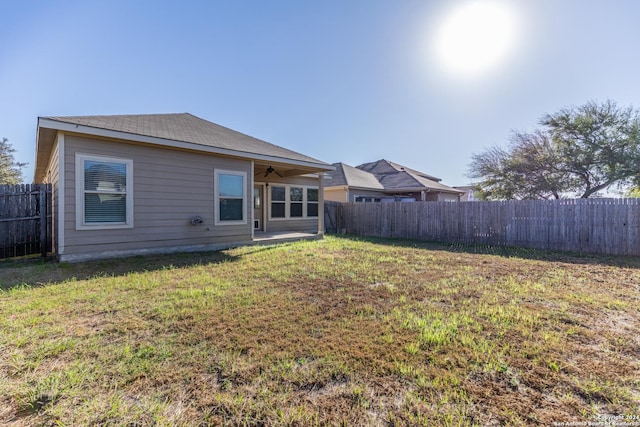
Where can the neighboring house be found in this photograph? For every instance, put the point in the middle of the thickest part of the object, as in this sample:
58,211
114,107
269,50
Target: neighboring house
382,181
470,193
135,184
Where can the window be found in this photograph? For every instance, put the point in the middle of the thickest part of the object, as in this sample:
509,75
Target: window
104,192
278,201
366,199
295,207
230,197
293,201
312,202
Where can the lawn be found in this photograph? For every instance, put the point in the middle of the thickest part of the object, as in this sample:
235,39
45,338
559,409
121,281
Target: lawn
341,331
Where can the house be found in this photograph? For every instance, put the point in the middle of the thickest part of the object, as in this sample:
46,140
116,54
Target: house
470,193
159,183
384,180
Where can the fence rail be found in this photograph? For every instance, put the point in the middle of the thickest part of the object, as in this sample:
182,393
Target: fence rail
25,219
604,226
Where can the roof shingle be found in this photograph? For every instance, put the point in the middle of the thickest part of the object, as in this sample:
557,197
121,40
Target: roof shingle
353,177
387,176
185,127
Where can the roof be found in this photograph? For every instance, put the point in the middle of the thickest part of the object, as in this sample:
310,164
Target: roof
406,180
181,130
387,176
383,166
348,175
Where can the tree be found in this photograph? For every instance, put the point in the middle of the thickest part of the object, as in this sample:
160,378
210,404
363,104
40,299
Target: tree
577,153
10,170
633,193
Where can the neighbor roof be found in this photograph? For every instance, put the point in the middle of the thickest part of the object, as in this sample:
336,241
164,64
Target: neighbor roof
387,176
348,175
163,129
406,180
383,166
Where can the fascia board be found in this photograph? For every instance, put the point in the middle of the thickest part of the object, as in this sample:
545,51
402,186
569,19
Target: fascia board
417,189
353,187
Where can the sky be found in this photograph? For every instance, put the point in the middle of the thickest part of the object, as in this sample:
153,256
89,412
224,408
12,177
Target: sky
424,83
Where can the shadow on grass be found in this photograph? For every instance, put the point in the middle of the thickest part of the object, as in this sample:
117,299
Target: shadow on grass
507,252
36,271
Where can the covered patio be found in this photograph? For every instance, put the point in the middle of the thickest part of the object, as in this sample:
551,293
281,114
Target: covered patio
274,237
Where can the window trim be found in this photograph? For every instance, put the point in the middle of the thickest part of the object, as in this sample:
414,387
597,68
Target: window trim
287,202
80,192
375,199
307,201
282,202
302,202
216,197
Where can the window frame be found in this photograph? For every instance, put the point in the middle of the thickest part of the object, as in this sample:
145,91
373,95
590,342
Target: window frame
81,224
316,202
300,202
216,197
280,202
287,202
366,199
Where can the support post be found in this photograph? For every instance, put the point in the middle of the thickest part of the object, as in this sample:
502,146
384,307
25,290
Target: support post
320,204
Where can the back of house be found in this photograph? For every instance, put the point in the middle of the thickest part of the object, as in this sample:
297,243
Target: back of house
136,184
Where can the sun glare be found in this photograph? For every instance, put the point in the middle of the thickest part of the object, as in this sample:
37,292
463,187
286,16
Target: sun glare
475,37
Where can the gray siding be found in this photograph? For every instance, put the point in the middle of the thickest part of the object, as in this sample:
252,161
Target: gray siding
169,188
52,177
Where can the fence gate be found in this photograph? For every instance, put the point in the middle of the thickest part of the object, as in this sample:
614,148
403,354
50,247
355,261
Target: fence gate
25,219
332,211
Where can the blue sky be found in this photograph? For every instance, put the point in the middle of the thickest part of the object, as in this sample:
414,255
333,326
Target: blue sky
348,80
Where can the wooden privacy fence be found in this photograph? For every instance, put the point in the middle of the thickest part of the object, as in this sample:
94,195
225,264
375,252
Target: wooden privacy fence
604,226
25,219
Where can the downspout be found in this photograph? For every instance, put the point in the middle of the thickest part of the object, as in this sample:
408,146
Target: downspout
251,200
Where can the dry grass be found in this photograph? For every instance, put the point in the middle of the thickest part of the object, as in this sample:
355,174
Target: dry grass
339,332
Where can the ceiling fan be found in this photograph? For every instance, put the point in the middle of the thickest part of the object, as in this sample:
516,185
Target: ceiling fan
271,170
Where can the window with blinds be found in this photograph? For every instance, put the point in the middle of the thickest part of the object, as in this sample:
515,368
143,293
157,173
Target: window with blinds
231,197
104,192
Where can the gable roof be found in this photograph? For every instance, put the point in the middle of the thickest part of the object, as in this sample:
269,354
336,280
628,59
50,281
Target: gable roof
383,166
386,176
348,175
181,130
406,181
